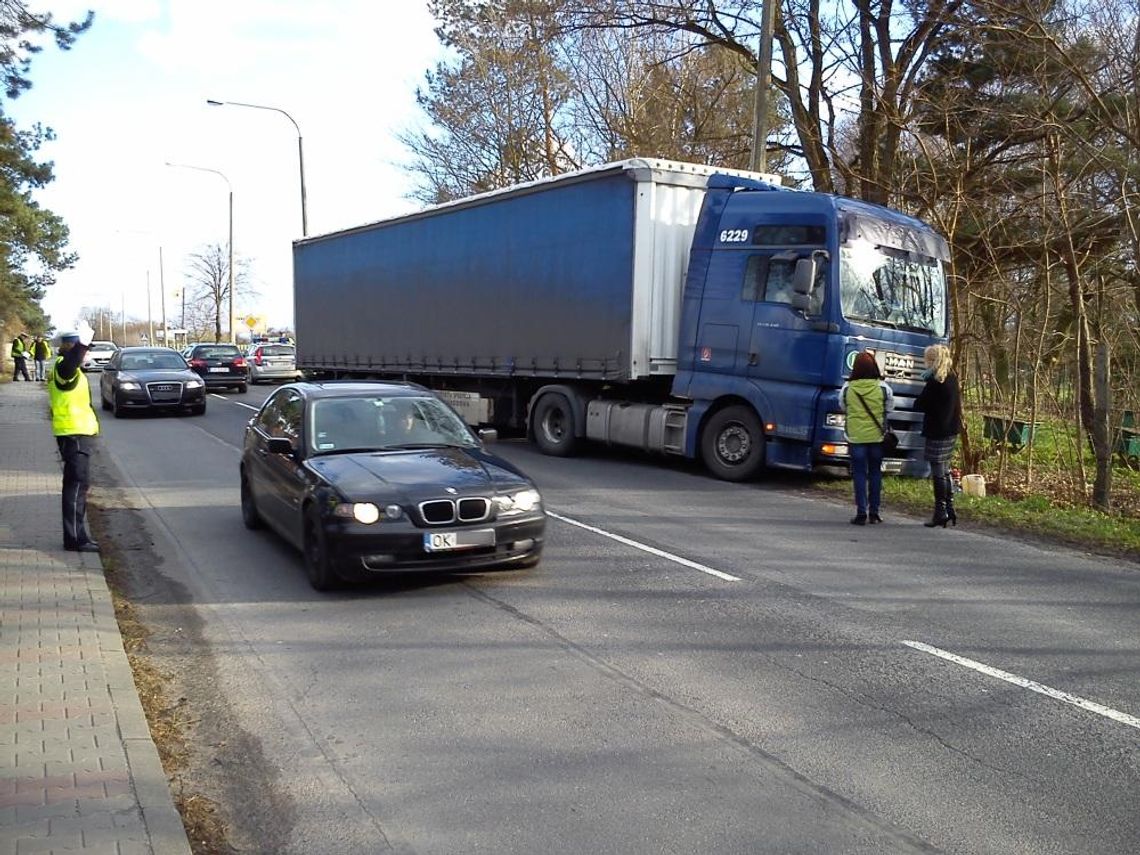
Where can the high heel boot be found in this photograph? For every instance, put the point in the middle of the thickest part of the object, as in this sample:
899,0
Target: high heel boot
950,515
941,517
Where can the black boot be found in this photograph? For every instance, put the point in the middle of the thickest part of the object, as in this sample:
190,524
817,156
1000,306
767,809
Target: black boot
950,515
940,517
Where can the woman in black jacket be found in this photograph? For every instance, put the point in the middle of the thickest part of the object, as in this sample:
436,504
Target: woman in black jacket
941,406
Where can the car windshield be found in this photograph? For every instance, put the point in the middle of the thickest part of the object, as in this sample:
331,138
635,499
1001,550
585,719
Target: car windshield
101,346
892,288
152,361
380,422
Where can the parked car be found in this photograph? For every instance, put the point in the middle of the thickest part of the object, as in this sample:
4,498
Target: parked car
220,366
98,355
271,361
367,478
150,378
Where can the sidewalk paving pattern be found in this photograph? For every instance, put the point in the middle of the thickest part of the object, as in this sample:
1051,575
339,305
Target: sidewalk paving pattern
78,769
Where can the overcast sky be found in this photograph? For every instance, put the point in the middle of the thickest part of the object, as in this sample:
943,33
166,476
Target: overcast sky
131,96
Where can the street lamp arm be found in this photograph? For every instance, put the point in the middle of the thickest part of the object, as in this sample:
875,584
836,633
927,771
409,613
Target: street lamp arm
214,103
202,169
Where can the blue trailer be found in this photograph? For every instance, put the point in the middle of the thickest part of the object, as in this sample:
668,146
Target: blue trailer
664,306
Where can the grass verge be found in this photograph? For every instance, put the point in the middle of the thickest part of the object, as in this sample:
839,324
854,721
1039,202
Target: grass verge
168,724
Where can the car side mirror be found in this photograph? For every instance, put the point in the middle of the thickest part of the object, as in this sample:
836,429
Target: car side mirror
803,280
280,445
489,435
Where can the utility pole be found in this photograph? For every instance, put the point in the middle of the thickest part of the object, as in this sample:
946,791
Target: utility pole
149,322
162,291
763,84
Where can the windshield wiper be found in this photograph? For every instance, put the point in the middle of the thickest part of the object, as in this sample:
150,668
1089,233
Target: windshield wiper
412,446
320,452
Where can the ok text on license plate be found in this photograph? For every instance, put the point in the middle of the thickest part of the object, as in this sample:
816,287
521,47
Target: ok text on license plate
446,541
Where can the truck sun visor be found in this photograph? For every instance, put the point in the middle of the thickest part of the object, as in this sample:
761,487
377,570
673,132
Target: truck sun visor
894,235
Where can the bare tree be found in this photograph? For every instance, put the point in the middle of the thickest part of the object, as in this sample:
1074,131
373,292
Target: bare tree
208,278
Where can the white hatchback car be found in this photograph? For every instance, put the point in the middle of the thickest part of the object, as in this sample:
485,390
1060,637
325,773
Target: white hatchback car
98,355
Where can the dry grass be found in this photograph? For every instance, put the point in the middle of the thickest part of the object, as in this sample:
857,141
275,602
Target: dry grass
168,724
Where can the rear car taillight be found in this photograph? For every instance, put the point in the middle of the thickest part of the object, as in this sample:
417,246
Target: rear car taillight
239,362
257,356
197,363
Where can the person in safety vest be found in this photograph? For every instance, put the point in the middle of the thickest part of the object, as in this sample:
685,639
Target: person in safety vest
41,350
20,357
75,426
866,399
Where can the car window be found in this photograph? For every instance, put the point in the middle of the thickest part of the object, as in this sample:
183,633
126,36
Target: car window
282,415
275,350
216,350
379,422
150,361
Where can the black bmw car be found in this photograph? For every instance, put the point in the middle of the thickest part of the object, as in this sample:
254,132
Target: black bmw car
369,478
150,378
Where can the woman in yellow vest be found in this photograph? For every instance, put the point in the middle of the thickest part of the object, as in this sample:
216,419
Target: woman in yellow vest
75,426
866,399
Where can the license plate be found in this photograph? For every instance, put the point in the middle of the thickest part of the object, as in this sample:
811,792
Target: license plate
892,465
446,541
219,370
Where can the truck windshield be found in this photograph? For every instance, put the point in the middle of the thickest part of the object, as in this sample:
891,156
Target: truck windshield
892,288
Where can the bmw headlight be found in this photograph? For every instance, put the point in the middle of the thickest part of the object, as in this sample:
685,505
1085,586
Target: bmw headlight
362,512
521,502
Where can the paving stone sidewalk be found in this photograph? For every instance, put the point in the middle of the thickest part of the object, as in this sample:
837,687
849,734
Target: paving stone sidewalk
78,769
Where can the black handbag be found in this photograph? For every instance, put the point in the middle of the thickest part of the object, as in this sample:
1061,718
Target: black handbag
890,440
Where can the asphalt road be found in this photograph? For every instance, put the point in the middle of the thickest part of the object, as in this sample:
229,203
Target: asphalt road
695,667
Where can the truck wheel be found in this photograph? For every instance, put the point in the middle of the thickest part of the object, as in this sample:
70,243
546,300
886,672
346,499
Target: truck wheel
554,426
732,443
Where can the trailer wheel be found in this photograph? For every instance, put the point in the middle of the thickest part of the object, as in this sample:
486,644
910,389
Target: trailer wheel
554,426
732,443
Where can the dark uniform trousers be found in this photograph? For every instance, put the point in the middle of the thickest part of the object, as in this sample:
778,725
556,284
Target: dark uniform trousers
76,454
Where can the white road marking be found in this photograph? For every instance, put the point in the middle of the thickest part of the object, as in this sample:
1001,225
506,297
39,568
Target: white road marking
232,401
660,553
1057,694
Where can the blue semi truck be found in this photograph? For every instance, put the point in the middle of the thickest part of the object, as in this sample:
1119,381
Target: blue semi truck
664,306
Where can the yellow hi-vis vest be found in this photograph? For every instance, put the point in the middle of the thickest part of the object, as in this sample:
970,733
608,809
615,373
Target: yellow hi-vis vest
71,413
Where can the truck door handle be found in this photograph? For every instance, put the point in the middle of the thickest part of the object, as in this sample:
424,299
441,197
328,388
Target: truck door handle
753,358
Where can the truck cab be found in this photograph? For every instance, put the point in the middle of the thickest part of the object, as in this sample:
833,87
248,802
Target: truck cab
784,288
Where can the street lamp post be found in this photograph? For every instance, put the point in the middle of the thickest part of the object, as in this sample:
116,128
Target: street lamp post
233,334
300,150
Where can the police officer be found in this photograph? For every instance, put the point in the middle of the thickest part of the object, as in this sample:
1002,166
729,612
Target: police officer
20,357
75,426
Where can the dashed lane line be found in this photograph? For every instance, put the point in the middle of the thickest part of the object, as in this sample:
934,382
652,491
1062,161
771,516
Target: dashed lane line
652,550
232,401
1033,686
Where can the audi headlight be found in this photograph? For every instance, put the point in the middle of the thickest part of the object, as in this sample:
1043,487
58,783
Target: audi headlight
521,502
129,384
362,512
193,384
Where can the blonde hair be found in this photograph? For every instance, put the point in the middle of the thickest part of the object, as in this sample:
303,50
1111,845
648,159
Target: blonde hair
938,361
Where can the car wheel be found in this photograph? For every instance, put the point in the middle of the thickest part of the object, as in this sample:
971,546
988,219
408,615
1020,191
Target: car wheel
243,388
732,443
554,426
318,567
103,401
249,514
199,410
117,411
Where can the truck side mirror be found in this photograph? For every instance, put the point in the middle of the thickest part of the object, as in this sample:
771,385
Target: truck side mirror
803,284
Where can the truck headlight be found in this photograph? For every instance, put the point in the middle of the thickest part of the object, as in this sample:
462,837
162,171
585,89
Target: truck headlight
835,420
521,502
